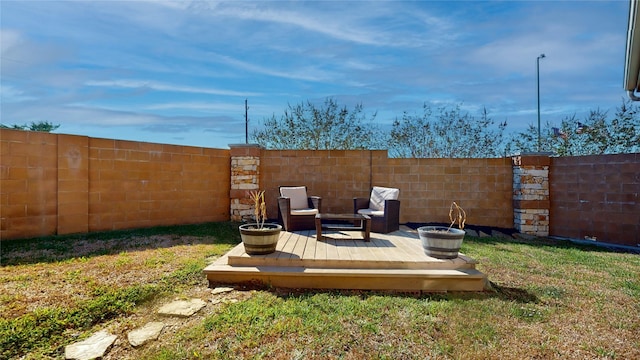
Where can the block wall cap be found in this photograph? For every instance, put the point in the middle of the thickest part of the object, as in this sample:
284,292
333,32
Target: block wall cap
231,146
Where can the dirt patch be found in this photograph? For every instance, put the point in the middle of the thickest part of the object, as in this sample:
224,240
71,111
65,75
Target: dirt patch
68,280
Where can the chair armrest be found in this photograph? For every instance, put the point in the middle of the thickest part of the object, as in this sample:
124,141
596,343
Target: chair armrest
392,209
360,203
315,202
284,203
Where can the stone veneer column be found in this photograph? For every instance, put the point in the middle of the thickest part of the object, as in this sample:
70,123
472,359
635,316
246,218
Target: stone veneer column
245,177
531,194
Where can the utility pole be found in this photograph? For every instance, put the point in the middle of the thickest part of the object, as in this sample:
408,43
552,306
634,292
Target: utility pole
246,122
538,75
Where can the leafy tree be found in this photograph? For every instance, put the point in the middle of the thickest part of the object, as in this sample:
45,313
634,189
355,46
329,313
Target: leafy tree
307,126
527,140
449,133
594,135
44,126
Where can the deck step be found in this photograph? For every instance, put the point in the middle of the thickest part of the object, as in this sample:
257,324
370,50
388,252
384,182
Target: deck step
462,262
350,278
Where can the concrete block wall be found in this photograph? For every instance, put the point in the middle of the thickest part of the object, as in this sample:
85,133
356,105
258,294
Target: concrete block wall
336,175
62,184
136,184
427,186
73,185
481,186
28,184
596,197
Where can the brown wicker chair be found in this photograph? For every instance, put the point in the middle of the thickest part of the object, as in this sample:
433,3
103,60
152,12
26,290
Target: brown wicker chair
383,207
296,210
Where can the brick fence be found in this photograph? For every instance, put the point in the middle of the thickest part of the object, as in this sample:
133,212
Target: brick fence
61,184
427,186
596,197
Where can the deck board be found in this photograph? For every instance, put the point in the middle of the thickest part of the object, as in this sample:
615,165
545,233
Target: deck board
309,250
381,251
298,246
289,249
343,249
321,250
332,250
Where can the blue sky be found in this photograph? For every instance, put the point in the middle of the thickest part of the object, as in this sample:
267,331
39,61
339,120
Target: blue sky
178,72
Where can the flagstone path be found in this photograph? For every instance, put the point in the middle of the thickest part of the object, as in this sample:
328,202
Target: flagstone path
96,346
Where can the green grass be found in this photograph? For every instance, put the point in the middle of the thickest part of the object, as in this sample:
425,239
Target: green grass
46,326
45,330
548,300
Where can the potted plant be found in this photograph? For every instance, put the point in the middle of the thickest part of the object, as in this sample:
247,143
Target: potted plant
259,238
443,242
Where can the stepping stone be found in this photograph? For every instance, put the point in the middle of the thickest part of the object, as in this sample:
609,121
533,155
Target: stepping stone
220,290
143,335
91,348
182,308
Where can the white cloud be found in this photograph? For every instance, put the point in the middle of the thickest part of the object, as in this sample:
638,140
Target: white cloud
209,107
283,14
308,73
354,22
159,86
9,94
9,39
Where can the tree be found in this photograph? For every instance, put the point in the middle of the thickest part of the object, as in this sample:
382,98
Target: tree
594,135
448,134
527,141
307,126
44,126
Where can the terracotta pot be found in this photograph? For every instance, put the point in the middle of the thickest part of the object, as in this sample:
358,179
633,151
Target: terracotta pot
439,243
260,241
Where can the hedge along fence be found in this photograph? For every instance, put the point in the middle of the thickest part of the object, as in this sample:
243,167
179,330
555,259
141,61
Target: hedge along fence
61,184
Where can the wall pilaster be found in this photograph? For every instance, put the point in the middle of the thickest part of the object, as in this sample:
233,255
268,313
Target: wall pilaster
531,194
245,177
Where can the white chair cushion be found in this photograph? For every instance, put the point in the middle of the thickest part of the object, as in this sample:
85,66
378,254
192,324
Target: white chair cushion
380,194
298,196
371,212
304,212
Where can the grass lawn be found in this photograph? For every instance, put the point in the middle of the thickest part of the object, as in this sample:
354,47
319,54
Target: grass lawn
549,300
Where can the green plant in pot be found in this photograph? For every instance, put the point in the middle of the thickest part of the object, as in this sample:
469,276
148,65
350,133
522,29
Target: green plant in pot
443,242
259,238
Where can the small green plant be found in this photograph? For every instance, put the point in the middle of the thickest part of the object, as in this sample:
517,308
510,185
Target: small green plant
259,207
457,214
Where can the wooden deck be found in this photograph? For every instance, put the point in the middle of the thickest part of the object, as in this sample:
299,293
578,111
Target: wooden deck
342,260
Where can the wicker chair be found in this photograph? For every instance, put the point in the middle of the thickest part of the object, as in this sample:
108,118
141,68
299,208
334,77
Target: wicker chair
296,210
383,207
